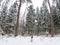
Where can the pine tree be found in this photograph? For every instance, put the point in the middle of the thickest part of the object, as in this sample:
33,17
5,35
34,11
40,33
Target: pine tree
30,20
56,15
3,17
38,20
43,19
11,18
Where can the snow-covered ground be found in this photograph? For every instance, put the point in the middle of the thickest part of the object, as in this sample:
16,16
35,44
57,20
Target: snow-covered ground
37,40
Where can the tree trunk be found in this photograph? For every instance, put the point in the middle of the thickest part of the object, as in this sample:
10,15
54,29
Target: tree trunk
51,21
17,21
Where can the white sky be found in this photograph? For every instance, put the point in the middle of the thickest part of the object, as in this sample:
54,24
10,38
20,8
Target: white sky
37,3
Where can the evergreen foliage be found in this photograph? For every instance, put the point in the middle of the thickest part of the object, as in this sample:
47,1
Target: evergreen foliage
30,20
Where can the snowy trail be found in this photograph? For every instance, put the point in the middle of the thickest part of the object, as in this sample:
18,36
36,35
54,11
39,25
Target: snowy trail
19,40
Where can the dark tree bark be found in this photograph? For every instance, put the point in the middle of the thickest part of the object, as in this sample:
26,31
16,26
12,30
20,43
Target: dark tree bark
51,21
17,21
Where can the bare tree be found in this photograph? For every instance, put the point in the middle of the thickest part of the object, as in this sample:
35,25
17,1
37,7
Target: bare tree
17,21
18,13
